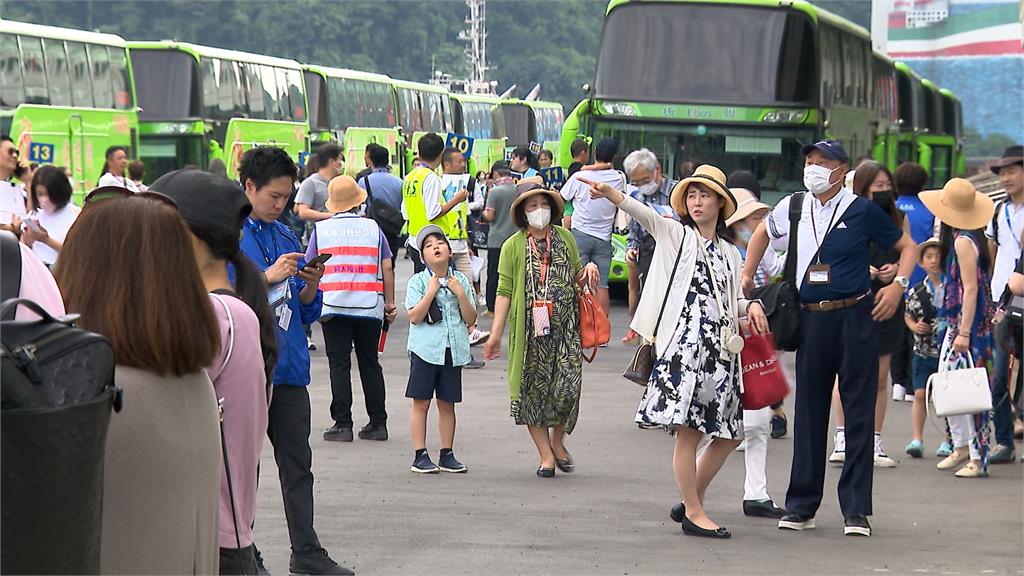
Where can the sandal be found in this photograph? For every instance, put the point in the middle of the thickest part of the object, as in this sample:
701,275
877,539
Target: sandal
630,337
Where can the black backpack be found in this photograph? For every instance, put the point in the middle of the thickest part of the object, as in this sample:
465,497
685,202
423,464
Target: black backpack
56,394
386,216
782,299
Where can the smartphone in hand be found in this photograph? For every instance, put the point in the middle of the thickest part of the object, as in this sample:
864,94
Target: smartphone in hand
320,259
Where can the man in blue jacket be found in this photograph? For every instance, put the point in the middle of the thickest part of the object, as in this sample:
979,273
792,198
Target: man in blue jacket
268,174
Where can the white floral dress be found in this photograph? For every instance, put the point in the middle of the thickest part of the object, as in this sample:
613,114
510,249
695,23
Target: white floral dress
691,384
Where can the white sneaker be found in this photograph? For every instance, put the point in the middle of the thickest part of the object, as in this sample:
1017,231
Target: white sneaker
839,452
882,459
478,336
899,393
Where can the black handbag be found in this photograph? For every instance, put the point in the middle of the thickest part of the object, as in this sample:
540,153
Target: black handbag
386,216
642,364
781,300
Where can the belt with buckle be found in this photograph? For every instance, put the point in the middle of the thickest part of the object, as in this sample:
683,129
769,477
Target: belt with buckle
829,305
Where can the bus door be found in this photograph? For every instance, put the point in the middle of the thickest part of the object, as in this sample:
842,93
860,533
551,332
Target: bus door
355,140
76,142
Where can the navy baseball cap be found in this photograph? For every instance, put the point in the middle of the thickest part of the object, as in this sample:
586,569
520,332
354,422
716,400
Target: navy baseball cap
829,149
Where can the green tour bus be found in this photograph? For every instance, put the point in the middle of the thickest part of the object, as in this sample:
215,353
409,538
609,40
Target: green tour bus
198,104
537,121
480,117
65,97
422,109
759,80
354,109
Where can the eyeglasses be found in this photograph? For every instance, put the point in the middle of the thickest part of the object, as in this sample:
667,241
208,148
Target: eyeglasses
14,152
110,192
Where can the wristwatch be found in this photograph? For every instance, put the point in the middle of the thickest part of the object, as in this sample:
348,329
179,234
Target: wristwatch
903,281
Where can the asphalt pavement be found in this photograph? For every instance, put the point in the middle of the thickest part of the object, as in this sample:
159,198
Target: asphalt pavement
611,515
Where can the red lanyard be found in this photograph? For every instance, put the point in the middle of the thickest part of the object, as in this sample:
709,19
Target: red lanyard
547,257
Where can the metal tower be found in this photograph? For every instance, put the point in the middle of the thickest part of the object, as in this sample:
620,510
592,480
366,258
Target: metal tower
476,48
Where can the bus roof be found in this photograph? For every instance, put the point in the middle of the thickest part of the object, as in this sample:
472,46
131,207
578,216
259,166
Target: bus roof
418,86
24,28
929,84
533,103
487,98
329,72
949,94
906,69
815,12
198,51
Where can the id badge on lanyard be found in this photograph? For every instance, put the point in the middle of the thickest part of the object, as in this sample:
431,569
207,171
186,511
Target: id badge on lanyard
819,274
542,309
278,295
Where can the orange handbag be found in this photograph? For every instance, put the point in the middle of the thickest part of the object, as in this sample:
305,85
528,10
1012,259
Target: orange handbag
595,329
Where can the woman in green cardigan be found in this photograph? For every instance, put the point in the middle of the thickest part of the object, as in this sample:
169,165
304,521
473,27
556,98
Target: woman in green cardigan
539,278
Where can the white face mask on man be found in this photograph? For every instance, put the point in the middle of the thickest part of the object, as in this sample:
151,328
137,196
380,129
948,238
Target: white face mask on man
817,178
539,218
648,189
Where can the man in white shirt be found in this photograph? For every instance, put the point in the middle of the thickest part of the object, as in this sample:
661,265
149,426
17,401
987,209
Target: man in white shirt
594,218
12,198
114,170
1004,240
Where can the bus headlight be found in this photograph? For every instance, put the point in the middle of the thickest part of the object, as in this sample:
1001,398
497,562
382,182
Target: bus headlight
785,116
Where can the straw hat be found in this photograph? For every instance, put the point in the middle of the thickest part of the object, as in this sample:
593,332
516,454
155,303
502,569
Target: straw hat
343,194
933,241
959,205
525,191
709,176
746,204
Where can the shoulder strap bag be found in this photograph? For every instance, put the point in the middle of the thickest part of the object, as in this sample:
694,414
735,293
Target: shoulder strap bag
781,300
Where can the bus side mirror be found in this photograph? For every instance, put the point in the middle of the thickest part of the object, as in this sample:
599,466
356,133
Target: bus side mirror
586,88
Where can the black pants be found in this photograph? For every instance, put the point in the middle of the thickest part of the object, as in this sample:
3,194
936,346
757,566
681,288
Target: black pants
493,255
340,334
394,243
238,561
900,368
839,342
418,265
288,430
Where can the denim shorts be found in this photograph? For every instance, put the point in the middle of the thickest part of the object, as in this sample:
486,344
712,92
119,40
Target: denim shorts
923,367
427,380
595,250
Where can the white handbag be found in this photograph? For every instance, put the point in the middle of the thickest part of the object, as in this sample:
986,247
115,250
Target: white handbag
958,387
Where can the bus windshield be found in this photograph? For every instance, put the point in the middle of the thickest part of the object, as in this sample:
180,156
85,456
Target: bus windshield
517,124
707,53
166,84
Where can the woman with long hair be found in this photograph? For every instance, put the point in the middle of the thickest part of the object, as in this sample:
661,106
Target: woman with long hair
162,465
214,209
966,316
874,182
691,311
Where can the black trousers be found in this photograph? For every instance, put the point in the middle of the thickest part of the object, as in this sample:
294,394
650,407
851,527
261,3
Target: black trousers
844,343
288,430
341,334
493,255
238,560
900,369
418,265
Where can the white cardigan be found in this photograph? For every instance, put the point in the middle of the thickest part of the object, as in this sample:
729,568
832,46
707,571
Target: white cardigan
669,234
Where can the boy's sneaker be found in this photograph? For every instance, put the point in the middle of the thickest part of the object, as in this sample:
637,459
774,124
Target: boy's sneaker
448,463
478,337
882,459
945,449
857,525
838,455
899,393
915,449
424,465
1002,455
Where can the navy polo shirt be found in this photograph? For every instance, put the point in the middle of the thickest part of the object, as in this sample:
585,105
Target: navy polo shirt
856,223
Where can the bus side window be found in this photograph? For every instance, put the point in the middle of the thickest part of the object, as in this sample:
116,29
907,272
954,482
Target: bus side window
210,79
119,79
297,111
32,64
102,93
81,79
254,91
57,73
12,89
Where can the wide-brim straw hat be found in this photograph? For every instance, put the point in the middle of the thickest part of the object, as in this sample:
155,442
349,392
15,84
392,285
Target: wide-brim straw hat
933,241
709,176
746,205
343,194
526,190
959,205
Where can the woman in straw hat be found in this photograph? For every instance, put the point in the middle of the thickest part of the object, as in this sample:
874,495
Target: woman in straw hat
539,281
690,310
757,424
966,312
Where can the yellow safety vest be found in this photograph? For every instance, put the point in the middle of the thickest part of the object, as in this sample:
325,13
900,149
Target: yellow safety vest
415,211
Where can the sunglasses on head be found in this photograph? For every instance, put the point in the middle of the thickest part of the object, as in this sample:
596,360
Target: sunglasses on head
110,192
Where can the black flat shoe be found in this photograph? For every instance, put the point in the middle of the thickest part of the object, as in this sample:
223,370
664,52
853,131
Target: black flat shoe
678,512
691,529
565,465
766,509
543,472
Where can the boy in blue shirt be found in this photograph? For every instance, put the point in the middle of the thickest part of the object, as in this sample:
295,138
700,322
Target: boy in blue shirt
440,304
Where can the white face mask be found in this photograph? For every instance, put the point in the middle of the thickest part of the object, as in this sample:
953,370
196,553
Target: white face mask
816,178
539,218
648,189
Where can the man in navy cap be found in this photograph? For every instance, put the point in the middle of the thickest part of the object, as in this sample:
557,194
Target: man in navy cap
838,337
